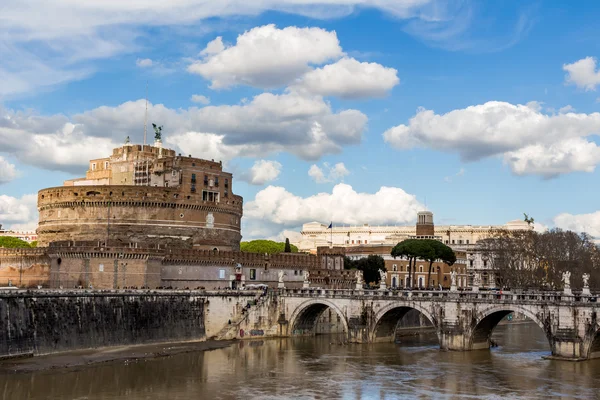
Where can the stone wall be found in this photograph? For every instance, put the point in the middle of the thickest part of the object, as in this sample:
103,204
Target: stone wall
141,214
46,322
24,267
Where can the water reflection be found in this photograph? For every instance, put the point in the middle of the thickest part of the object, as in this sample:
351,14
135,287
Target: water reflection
322,368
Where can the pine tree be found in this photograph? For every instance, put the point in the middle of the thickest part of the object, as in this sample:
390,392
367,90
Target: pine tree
288,248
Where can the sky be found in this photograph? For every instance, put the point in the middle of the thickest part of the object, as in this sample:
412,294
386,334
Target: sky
343,111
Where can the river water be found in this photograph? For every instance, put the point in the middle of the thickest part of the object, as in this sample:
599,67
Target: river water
324,368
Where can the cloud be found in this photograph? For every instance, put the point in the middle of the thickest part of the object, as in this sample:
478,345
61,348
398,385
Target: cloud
530,141
269,123
328,173
198,98
8,172
266,56
589,223
583,73
19,214
143,62
350,79
460,172
571,155
274,208
262,171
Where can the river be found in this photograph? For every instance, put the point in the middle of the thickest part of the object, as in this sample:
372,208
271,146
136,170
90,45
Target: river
324,368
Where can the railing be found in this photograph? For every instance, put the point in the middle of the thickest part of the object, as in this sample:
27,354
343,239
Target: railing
443,295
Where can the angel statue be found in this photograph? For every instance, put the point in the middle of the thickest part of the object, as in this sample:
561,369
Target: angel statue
359,276
306,275
453,278
383,275
586,280
157,132
281,274
566,278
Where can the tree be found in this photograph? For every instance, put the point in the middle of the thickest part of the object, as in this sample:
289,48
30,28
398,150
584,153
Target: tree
265,246
287,248
12,242
370,267
425,249
412,249
434,250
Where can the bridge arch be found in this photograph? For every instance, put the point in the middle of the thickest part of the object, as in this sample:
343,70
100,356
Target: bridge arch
591,345
305,315
387,318
487,319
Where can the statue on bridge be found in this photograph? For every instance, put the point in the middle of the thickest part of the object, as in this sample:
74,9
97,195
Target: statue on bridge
586,280
566,278
280,283
453,278
306,282
382,280
359,279
586,285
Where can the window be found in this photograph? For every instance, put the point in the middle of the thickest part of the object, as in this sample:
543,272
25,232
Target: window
252,274
193,178
93,166
460,241
353,242
221,274
420,268
226,182
485,263
446,242
467,241
205,180
216,181
453,241
359,242
365,242
210,196
193,188
394,267
105,164
173,173
471,263
226,194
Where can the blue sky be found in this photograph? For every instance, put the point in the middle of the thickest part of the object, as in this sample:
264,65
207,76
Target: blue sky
354,111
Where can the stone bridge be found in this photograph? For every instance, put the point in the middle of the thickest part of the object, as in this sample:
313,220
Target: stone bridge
462,320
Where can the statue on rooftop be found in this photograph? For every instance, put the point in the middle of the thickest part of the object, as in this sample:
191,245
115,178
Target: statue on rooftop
127,140
157,132
566,278
586,280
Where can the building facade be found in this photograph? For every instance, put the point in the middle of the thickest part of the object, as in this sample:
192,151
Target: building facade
28,237
316,234
145,194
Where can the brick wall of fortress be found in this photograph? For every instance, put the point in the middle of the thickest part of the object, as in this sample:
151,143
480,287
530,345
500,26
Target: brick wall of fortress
74,264
138,214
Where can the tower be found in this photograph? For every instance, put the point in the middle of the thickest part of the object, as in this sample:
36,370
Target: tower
425,225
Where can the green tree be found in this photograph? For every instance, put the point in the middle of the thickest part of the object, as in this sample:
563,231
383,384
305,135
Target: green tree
287,248
434,250
12,242
370,267
411,249
33,244
265,246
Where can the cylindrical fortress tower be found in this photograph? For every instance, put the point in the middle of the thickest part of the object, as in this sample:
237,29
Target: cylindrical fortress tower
172,200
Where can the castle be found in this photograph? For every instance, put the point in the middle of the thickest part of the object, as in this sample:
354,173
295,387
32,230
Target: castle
148,217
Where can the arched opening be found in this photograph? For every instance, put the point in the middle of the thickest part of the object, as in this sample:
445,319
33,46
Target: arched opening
594,351
318,318
396,324
514,330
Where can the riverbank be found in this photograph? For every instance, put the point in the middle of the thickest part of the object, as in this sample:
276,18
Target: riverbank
81,358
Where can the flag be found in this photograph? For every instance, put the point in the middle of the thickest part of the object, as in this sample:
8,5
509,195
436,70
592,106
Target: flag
330,225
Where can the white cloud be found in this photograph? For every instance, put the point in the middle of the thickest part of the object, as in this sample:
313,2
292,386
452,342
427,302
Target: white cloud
531,141
317,174
299,124
19,214
263,171
589,223
266,56
349,78
460,172
566,109
328,173
583,73
8,172
143,62
576,154
275,209
198,98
